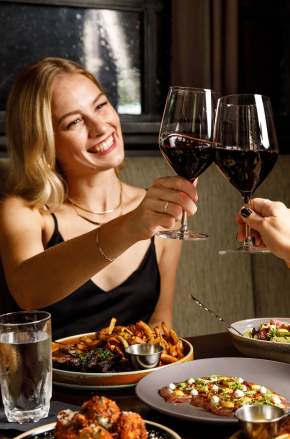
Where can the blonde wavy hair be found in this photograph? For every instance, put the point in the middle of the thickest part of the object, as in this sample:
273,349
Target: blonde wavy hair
33,171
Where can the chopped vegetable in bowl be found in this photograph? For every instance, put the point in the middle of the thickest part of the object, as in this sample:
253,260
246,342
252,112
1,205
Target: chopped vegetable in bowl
274,330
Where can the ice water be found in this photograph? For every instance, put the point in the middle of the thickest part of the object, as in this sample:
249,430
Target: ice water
26,380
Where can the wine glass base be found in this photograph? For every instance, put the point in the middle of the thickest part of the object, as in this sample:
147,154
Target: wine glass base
182,235
245,249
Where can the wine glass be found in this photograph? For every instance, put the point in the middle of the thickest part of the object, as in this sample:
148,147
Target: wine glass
185,140
246,148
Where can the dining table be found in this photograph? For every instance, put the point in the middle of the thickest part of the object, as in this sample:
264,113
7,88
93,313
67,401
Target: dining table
205,346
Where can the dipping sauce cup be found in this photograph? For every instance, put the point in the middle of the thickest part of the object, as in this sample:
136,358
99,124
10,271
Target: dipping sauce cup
144,355
260,421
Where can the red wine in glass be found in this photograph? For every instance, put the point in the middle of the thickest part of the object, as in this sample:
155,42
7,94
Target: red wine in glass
246,148
245,170
187,155
186,140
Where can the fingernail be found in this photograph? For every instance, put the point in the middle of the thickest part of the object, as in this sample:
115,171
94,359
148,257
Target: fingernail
245,212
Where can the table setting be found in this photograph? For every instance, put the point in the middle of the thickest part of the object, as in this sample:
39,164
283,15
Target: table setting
213,353
135,381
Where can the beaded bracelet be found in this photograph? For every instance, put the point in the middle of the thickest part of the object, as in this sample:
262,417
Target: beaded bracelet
101,251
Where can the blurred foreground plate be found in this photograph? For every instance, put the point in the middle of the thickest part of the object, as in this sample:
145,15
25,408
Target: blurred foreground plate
259,348
47,432
105,380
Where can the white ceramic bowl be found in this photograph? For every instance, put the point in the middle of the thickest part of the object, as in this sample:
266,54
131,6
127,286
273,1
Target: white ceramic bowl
259,348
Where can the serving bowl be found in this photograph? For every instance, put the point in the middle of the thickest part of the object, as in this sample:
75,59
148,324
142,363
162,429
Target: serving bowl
259,348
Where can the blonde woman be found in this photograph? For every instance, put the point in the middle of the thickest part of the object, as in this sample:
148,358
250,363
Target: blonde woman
76,240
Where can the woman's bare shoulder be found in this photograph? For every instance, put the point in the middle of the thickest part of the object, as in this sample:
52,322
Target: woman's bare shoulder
15,202
17,207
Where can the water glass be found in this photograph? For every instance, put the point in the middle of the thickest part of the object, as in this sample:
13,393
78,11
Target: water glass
26,365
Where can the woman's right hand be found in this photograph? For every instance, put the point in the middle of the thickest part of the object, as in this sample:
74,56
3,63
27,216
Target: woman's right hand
163,204
271,219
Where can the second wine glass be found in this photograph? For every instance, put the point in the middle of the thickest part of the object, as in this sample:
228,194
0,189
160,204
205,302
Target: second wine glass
186,140
246,148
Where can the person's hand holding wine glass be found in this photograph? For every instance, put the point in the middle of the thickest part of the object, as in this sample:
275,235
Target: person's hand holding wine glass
186,140
246,148
270,222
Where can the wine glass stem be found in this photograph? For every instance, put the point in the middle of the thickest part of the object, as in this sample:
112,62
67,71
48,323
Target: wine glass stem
184,227
248,242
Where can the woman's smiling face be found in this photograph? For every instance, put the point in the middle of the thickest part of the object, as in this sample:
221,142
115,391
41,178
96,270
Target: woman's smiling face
87,128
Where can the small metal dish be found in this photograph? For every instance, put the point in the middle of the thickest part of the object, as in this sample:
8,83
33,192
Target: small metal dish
260,420
144,355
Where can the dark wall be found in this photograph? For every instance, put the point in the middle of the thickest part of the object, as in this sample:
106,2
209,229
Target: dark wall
235,46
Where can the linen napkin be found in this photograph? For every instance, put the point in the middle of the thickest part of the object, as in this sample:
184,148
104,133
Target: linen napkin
55,407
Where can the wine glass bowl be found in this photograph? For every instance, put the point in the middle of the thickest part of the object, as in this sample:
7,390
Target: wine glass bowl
246,147
186,140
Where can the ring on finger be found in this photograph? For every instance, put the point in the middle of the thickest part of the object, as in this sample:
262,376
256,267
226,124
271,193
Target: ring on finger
165,207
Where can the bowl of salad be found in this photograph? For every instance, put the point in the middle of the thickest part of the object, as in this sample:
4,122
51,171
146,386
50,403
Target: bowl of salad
263,337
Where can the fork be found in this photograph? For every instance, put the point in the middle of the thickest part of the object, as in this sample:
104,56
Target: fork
217,316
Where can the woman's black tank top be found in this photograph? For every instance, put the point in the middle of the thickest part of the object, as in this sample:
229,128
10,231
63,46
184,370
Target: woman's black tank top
90,308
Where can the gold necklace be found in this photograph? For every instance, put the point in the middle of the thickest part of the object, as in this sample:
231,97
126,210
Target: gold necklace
103,212
96,223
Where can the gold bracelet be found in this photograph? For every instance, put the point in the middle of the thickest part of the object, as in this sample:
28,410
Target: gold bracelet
101,251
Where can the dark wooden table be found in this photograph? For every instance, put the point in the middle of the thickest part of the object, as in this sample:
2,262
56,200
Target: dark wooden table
207,346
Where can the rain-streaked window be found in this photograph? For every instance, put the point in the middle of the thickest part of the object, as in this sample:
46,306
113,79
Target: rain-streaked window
106,42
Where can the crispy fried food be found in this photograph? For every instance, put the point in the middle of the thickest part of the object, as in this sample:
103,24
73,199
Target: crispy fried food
180,349
165,329
94,432
77,427
101,410
99,418
116,338
131,426
173,336
111,325
148,332
167,359
119,340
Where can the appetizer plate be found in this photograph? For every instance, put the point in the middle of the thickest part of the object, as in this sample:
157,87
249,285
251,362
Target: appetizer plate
47,432
113,380
259,348
272,374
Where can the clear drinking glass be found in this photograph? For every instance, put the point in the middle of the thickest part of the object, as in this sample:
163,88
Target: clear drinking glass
26,365
186,140
246,148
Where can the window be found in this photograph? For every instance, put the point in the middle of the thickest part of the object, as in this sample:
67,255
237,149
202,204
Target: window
124,43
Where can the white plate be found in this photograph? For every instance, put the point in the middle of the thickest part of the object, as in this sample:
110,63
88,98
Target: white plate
108,380
272,374
259,348
50,427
